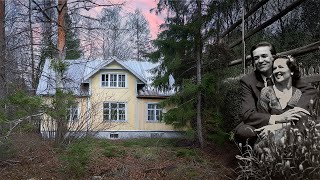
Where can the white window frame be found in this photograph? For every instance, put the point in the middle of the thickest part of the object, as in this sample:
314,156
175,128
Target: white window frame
107,111
71,114
154,112
115,77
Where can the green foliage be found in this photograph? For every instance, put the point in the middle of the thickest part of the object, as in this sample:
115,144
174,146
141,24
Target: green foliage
58,109
110,150
148,142
189,153
77,157
215,131
177,49
20,105
184,103
59,66
6,150
27,127
72,41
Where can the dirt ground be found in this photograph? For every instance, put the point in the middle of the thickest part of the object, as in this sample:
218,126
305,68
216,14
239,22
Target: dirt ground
31,157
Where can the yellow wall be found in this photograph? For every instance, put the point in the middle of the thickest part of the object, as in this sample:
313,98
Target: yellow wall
136,108
151,126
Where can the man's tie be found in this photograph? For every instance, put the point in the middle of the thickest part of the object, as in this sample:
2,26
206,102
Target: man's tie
269,81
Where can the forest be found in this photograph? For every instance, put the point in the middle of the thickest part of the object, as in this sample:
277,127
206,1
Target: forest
203,44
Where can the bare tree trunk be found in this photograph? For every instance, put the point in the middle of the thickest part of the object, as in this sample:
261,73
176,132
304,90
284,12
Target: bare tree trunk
2,56
3,61
199,51
61,46
62,9
138,40
33,80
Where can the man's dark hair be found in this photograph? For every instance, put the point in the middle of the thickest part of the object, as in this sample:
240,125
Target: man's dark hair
262,44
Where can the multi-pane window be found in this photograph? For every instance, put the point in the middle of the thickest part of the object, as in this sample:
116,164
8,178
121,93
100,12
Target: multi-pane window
154,112
104,80
113,80
114,111
121,80
73,113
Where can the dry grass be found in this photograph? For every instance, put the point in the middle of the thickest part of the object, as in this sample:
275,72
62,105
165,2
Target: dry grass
131,159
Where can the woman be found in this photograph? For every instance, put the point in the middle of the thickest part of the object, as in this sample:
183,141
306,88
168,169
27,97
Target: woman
280,97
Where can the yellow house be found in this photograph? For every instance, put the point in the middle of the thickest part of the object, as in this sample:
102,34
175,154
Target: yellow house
115,99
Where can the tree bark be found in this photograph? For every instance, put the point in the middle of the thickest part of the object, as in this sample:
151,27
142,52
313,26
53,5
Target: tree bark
3,62
33,80
198,52
2,56
61,46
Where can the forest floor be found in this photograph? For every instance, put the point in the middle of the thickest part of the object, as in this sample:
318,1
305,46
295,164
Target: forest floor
28,156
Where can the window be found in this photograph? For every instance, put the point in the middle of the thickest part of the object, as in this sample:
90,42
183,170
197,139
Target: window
154,112
114,136
73,113
114,111
113,80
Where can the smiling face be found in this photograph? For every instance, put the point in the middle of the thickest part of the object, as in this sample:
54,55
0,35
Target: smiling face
281,71
263,60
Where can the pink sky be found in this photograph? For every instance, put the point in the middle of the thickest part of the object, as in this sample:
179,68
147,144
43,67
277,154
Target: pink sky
144,5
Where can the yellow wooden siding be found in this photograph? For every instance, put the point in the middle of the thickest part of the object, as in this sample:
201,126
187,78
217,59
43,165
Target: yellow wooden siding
113,94
48,124
136,109
150,126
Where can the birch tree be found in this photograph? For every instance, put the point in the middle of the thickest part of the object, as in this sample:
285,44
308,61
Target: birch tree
140,34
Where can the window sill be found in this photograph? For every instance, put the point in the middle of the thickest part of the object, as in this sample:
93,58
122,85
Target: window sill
113,87
113,121
154,121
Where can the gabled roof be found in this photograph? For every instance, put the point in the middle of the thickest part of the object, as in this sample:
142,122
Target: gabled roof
79,71
135,67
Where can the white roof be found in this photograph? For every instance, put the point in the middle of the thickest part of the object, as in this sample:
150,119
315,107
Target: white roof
79,71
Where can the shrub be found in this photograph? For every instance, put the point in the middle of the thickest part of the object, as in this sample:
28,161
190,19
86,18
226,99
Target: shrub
6,150
110,150
231,105
296,157
77,157
187,153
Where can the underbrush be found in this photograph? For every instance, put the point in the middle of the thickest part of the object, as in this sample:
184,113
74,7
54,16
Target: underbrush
77,156
297,156
136,159
6,150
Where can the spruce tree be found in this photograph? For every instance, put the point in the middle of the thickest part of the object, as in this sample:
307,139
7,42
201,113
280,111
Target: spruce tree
72,41
184,51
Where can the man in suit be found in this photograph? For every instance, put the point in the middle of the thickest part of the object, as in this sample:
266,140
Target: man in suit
251,85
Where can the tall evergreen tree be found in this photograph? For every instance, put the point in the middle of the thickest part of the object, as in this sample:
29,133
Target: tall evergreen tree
185,53
73,50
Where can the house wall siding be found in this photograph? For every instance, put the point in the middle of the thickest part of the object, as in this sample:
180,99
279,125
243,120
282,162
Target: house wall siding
136,108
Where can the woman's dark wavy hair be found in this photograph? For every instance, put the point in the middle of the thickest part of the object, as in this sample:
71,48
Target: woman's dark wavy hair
293,66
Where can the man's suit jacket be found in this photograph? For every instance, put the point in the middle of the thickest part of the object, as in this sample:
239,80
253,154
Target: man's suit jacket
251,86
